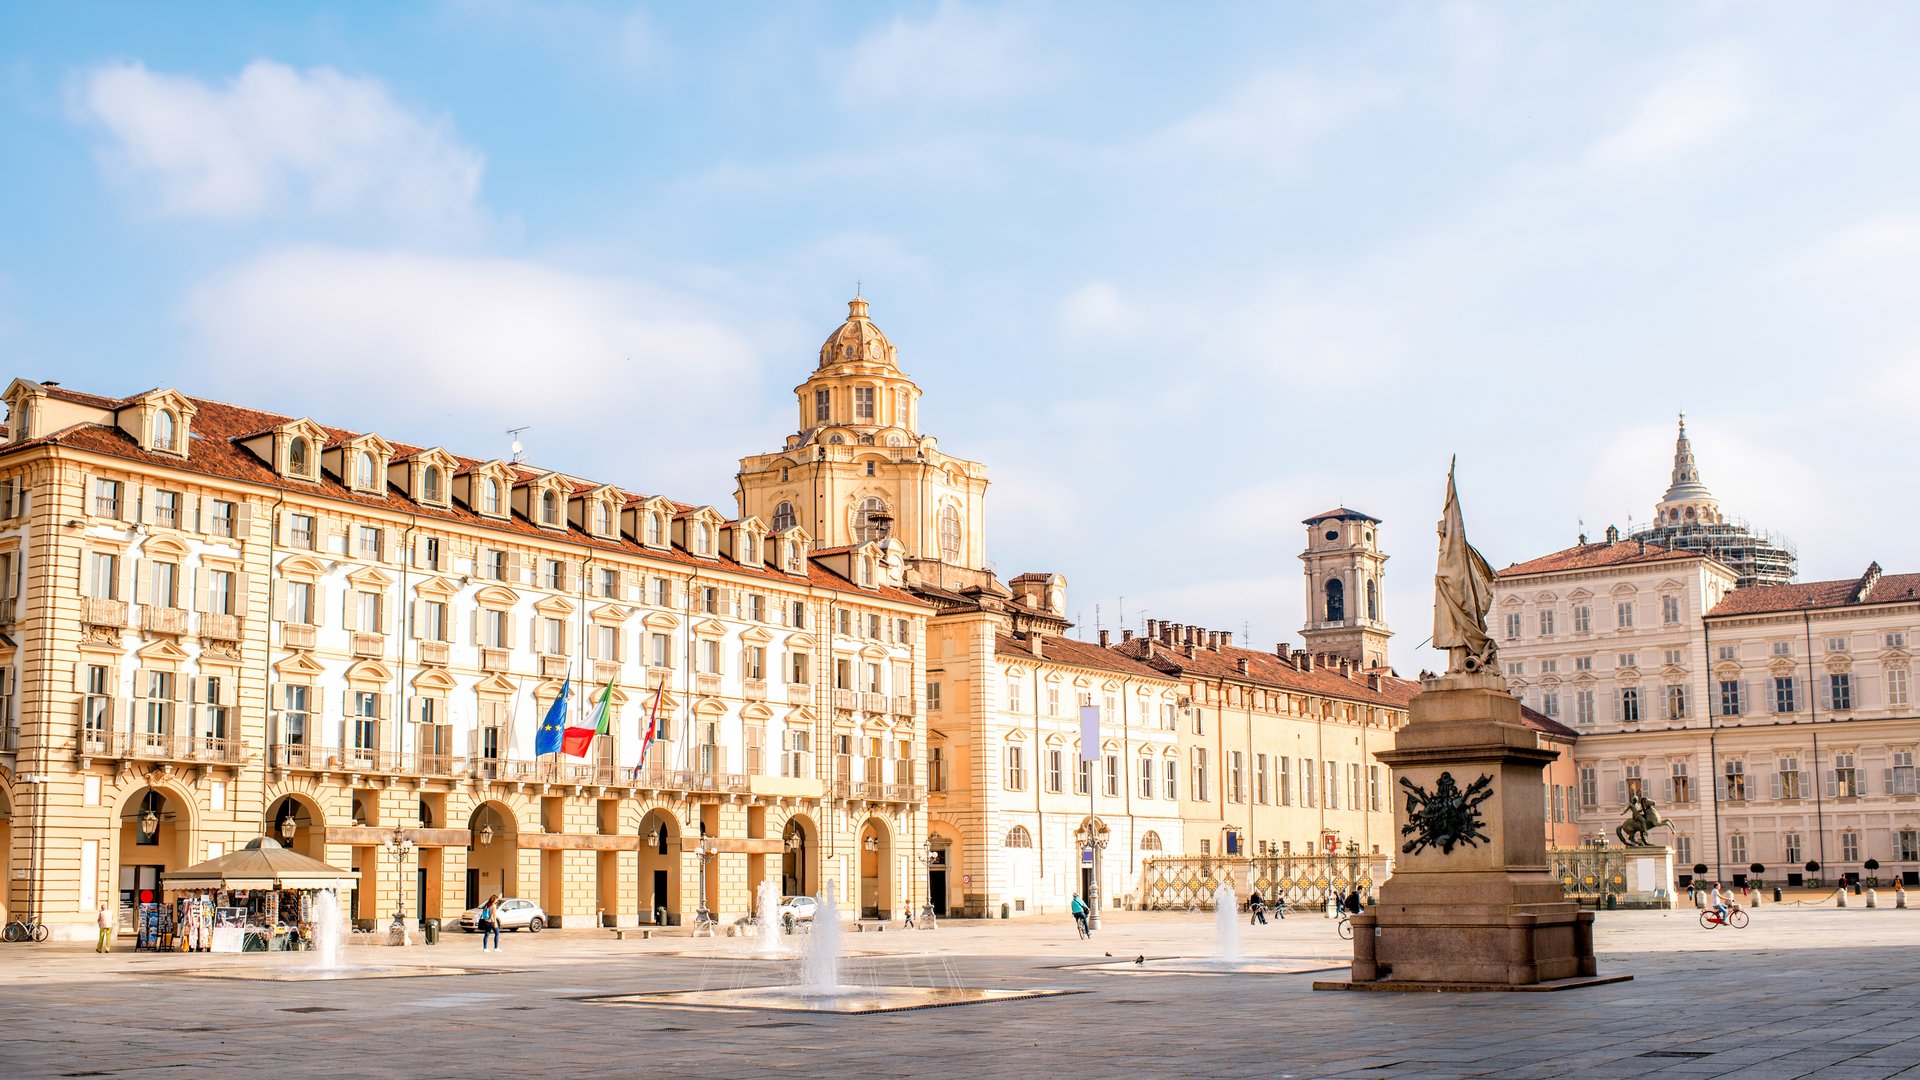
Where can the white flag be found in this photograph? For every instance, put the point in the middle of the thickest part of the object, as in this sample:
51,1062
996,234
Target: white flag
1089,732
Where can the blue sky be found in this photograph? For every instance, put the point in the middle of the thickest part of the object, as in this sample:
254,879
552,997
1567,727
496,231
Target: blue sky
1180,274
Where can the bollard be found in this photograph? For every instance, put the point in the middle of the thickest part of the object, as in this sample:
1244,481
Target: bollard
1899,899
1842,894
1776,894
1856,888
1871,897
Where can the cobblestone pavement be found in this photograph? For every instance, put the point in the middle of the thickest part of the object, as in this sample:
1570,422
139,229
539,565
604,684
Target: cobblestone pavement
1801,992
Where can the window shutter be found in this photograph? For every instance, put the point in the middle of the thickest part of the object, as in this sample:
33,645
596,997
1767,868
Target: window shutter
593,642
516,567
80,677
283,529
316,702
9,491
387,606
142,581
229,686
1886,779
127,564
1720,786
190,512
1754,782
390,546
242,594
1620,793
1833,784
1666,789
415,624
1826,693
242,520
1773,786
179,685
86,573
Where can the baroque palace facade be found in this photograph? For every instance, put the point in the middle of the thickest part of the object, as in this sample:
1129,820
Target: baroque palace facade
1774,724
218,621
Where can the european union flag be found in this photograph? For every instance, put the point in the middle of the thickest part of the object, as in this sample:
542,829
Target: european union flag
547,739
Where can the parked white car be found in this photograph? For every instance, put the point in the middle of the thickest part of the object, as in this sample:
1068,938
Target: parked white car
512,915
800,908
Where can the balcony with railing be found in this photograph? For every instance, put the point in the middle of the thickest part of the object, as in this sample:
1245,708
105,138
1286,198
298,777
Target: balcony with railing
435,652
367,645
554,667
164,746
97,612
163,620
873,703
706,683
298,635
843,699
903,704
217,627
6,610
606,671
799,693
496,661
756,689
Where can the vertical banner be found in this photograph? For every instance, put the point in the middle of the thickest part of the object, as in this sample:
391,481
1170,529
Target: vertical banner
1089,734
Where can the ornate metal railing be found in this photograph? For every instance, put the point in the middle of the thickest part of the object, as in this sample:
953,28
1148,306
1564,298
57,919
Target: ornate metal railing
1189,882
1589,873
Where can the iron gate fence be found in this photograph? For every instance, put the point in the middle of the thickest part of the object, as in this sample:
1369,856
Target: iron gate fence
1188,883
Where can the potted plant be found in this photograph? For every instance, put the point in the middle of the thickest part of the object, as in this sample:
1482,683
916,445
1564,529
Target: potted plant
1699,870
1813,873
1872,867
1756,870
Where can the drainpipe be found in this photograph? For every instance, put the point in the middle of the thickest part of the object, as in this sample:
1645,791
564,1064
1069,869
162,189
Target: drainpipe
266,661
1713,746
1813,711
406,630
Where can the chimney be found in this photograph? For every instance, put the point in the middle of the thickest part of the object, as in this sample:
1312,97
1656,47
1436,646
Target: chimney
1190,650
1034,642
1242,665
1126,636
1280,650
1153,627
1105,638
1373,680
1613,534
1226,639
1308,658
1213,640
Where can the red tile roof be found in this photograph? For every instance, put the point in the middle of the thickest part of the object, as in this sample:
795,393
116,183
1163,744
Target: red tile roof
1267,669
1076,653
1870,588
1594,556
215,451
1339,513
1545,724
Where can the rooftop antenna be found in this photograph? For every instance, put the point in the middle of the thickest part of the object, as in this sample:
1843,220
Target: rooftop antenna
1123,612
519,451
1096,617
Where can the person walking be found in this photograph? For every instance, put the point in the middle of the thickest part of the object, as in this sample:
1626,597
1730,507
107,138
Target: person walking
105,920
490,922
1080,915
1258,907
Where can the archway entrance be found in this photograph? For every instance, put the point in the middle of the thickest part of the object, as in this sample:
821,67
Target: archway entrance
798,852
156,835
944,873
492,853
876,869
659,868
298,826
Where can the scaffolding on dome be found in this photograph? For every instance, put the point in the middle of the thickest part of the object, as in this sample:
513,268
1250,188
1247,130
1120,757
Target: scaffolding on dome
1755,556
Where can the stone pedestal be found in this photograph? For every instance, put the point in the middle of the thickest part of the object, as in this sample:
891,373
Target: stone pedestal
1472,901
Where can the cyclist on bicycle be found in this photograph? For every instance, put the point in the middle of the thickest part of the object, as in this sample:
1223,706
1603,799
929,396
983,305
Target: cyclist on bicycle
1719,904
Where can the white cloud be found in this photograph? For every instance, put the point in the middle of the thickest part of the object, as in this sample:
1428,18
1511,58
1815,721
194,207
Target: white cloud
1096,311
276,140
1272,118
605,368
958,55
1703,101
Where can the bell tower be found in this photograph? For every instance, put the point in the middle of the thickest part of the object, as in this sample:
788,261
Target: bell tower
1346,590
859,469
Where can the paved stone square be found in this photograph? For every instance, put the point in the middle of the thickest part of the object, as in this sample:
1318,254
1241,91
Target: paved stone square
1801,992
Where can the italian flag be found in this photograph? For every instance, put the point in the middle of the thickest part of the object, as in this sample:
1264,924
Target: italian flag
578,741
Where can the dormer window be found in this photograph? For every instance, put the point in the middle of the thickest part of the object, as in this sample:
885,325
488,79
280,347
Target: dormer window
866,572
653,530
602,519
703,539
363,471
430,484
165,430
549,508
791,557
299,456
490,496
24,428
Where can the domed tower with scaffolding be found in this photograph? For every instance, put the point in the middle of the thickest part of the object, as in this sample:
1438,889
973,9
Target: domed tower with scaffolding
1688,517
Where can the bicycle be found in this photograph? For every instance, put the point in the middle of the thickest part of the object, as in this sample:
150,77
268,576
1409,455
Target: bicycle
1736,918
1345,927
24,929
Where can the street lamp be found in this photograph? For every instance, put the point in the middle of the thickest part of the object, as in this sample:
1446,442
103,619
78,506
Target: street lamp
706,849
288,826
928,856
400,846
1092,838
486,833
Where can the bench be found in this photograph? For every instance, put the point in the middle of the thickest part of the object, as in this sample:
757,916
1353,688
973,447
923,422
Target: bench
620,933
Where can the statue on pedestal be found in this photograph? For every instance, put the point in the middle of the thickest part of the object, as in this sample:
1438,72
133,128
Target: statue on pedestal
1642,818
1462,595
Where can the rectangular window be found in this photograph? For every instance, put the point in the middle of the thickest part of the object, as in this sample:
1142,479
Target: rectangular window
432,554
873,627
1895,640
299,602
1053,699
1729,697
799,619
293,714
1309,783
1550,703
1582,618
97,709
1589,786
493,564
800,668
1836,644
1583,663
1783,648
933,697
1788,782
369,542
1843,780
1236,791
1680,785
1082,776
757,607
433,621
822,406
1849,846
606,643
1675,657
609,583
1628,660
709,600
1200,773
1737,849
1583,706
1546,624
710,657
553,637
163,584
1676,702
1900,778
1736,780
1897,685
1513,626
103,575
1633,784
1330,784
220,517
1783,697
106,498
166,508
1840,691
366,612
362,723
1623,614
863,403
216,713
300,531
1146,778
1629,704
753,662
1791,848
493,628
1260,779
1172,779
1669,610
1113,775
662,592
1908,846
1373,788
1016,769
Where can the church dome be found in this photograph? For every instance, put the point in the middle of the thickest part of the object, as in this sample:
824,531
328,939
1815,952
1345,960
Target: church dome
857,340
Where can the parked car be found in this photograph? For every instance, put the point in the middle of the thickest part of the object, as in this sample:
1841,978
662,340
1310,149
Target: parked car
512,915
800,908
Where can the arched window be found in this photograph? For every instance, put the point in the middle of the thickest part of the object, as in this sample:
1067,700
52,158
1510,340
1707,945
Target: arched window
163,430
950,534
24,430
865,528
1373,601
490,496
603,519
549,508
783,516
1336,600
430,483
900,416
363,471
836,439
1150,841
297,456
653,529
1018,837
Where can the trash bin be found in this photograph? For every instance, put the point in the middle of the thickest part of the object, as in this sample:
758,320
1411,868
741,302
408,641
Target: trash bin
1776,894
432,927
1006,911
